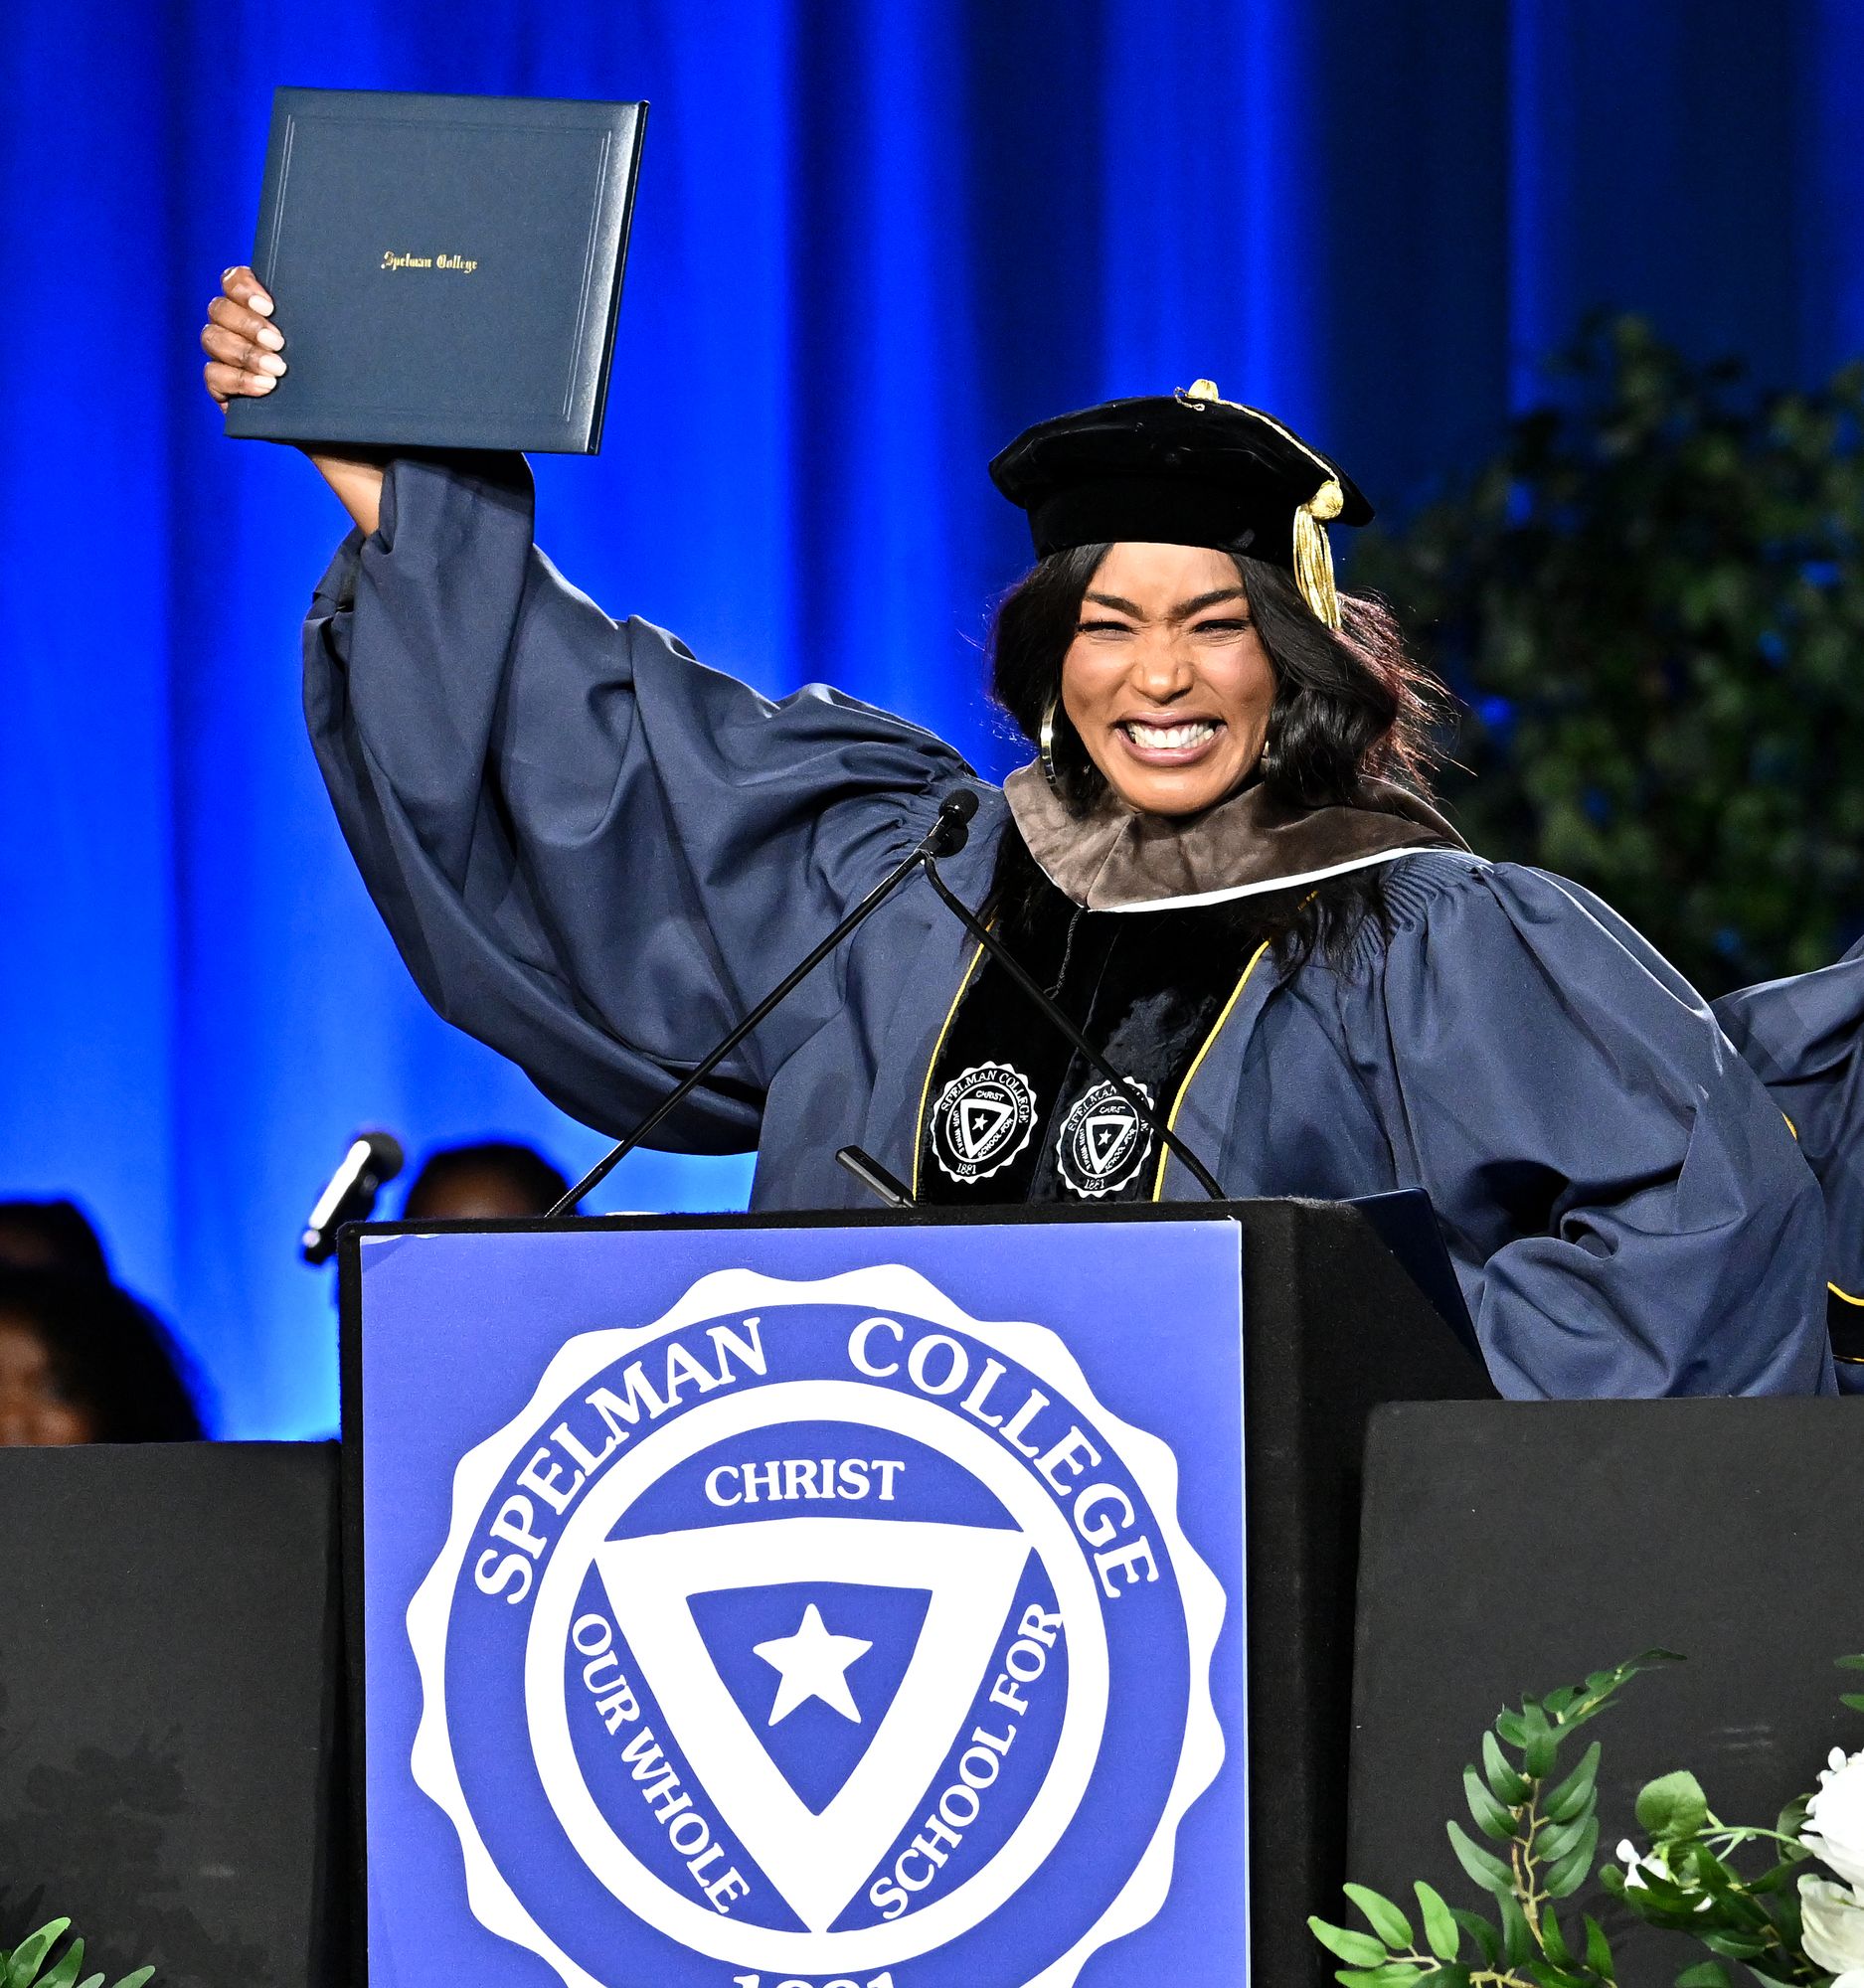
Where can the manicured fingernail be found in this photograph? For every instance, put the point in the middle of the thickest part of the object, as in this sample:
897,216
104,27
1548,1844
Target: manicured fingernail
228,270
271,340
262,383
268,364
262,305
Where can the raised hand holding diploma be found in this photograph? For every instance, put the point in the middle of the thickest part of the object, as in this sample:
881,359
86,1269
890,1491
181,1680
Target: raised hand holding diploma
246,359
242,344
450,268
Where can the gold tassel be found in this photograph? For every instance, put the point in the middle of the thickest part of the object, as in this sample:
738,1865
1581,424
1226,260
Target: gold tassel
1313,555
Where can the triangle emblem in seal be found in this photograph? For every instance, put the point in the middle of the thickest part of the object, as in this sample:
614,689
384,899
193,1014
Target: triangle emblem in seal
816,1861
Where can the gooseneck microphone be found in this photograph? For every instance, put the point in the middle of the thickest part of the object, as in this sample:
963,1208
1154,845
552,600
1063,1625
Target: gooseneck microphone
948,835
1011,965
373,1160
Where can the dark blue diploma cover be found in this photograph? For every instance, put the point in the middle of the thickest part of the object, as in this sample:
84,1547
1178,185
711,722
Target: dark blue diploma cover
446,270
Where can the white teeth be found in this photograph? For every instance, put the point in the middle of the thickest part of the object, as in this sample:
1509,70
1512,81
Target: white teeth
1170,738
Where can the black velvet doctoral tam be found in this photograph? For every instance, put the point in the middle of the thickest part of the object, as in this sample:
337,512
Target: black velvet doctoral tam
1183,468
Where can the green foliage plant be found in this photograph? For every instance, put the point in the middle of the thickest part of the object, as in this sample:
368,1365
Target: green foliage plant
1652,602
1536,1819
1537,1834
1688,1884
30,1964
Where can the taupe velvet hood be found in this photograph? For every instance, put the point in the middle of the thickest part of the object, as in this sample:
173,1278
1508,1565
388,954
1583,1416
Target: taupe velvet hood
1115,859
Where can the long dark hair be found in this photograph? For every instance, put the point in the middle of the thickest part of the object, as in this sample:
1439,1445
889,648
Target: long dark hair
1349,706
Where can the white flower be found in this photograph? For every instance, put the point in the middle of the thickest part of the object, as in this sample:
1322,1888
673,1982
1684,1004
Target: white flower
1832,1920
1635,1866
1834,1819
1659,1864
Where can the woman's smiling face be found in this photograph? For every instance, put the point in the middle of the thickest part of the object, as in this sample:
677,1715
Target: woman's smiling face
1166,681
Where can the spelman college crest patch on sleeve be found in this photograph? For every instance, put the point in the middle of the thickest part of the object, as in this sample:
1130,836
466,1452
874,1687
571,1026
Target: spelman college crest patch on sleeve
819,1634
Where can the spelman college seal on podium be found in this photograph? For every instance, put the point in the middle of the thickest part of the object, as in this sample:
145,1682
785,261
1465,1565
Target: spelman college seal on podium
816,1633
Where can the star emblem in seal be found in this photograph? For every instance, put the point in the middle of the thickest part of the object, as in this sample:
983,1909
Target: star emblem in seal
983,1119
1103,1141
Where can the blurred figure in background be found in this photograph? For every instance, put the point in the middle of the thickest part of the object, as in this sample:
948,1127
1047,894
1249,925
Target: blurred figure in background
491,1180
82,1361
50,1236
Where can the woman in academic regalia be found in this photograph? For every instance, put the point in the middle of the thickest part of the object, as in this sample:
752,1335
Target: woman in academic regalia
596,854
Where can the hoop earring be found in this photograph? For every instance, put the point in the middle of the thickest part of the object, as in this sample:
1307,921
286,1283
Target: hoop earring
1045,746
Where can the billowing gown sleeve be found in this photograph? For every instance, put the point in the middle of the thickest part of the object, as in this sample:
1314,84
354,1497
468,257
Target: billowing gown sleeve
592,852
1804,1039
1642,1221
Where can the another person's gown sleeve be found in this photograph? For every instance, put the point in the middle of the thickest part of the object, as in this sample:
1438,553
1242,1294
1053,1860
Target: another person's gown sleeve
1803,1038
593,853
1629,1208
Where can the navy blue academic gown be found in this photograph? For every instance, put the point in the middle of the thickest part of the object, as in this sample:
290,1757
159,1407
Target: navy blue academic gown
1805,1038
595,854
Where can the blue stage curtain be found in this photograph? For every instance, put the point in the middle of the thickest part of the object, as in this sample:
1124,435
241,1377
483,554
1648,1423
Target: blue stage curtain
875,238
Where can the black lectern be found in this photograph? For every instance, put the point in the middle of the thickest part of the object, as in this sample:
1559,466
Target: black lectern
170,1755
1336,1328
